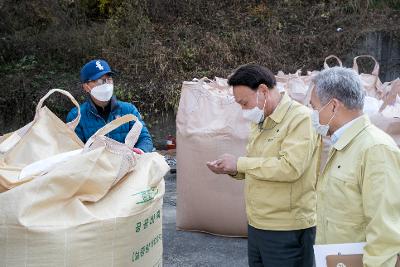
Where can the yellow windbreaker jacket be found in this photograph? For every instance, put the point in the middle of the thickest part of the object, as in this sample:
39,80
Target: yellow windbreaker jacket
359,193
280,169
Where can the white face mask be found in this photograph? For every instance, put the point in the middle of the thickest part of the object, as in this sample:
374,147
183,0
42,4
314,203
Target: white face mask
102,92
255,115
320,128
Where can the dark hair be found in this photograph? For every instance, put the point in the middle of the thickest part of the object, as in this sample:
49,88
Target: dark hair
252,75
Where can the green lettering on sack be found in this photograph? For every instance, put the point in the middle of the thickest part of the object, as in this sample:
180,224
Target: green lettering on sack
137,255
147,195
148,221
142,250
138,226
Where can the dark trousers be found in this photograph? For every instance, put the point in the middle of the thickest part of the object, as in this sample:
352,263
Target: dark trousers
281,248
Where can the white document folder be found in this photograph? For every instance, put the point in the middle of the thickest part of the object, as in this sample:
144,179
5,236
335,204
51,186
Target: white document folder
321,251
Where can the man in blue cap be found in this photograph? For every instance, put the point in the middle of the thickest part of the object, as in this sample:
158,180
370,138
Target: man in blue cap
102,107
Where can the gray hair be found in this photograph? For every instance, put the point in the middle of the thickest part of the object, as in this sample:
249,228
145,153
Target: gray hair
344,84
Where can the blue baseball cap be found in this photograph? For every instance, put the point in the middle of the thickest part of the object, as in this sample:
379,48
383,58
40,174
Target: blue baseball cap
94,70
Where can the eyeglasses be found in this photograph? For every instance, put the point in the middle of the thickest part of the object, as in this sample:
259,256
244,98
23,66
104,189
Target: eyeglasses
103,81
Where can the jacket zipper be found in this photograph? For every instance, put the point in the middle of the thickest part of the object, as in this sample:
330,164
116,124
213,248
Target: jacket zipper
100,118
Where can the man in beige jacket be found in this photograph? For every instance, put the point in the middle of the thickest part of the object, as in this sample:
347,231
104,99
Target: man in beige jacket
280,171
358,191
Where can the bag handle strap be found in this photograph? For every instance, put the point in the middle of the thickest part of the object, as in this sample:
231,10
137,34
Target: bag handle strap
375,71
71,124
206,81
134,133
131,137
326,66
212,83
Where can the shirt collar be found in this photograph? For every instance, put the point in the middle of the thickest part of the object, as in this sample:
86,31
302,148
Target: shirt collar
358,125
339,132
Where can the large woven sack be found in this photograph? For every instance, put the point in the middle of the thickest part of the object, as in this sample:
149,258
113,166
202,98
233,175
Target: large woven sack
370,82
294,84
209,123
44,137
101,207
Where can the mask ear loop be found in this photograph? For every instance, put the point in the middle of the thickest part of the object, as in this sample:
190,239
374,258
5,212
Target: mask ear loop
265,102
334,114
257,98
263,117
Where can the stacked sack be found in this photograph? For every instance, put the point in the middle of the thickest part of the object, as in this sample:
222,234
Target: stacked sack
382,101
97,204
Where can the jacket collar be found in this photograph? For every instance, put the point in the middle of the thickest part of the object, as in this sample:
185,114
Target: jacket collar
280,111
114,103
351,132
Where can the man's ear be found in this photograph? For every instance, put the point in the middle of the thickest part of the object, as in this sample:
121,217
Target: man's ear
86,87
336,105
263,89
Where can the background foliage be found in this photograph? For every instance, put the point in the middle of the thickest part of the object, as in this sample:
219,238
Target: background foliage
155,44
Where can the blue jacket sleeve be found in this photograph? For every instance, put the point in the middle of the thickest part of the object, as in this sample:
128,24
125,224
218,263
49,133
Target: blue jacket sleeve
144,142
78,130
